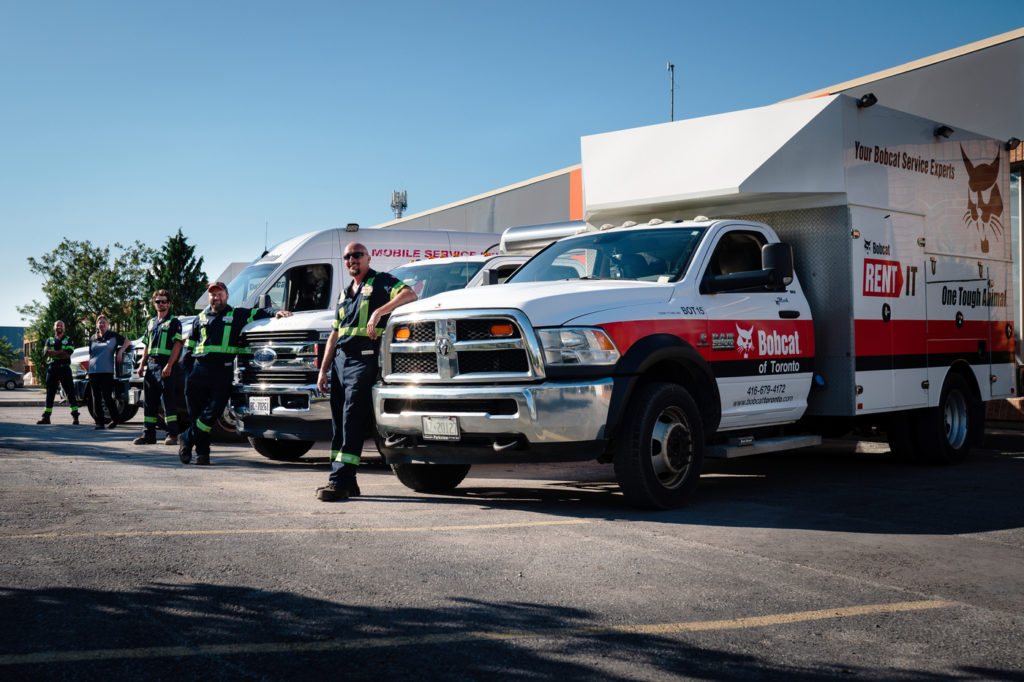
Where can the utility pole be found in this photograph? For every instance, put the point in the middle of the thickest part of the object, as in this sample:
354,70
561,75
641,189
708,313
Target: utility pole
399,202
671,90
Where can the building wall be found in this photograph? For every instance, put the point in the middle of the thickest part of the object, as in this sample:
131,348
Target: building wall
16,336
551,198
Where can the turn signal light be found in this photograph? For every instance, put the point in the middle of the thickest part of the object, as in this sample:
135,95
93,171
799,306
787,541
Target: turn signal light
402,334
501,330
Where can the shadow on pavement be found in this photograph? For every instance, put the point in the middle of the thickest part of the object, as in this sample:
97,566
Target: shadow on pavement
379,643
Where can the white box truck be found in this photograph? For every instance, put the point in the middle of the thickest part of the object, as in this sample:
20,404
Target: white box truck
856,271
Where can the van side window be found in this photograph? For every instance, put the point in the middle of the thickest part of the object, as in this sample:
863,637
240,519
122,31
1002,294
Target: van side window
738,251
304,287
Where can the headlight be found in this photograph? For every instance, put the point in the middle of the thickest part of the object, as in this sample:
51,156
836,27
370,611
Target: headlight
79,369
577,346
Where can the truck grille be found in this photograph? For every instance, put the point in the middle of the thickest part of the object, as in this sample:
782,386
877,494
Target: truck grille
461,346
251,376
257,337
281,357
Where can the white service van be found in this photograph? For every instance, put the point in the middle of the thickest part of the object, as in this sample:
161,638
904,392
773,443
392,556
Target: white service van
275,400
856,271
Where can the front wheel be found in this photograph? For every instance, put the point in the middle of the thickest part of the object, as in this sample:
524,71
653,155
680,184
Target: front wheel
280,450
10,385
431,478
659,455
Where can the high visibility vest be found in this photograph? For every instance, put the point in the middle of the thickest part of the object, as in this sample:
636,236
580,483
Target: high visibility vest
161,335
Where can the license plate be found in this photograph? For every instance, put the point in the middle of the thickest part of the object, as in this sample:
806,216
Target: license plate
441,428
259,405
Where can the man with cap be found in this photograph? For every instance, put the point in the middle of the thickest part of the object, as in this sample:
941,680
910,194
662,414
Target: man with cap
160,371
350,360
58,372
212,345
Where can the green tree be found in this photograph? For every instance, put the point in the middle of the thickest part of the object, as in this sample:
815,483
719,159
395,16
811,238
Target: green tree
62,307
96,282
176,269
8,354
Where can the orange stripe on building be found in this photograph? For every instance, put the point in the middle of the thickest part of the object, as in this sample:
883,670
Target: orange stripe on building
576,194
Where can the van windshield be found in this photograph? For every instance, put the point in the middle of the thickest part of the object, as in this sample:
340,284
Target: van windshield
427,279
248,281
650,255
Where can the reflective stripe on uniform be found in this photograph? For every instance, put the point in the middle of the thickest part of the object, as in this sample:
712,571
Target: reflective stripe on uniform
202,427
150,420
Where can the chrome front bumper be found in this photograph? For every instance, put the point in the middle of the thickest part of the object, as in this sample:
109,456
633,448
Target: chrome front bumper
547,414
310,420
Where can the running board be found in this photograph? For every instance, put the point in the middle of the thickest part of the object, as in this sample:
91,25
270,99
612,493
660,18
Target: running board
744,446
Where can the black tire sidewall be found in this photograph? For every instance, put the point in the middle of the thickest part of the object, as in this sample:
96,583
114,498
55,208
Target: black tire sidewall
632,456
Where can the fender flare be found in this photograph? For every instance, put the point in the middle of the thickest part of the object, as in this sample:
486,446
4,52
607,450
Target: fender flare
693,372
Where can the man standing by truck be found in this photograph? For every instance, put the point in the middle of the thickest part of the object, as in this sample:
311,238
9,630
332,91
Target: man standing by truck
351,360
58,372
212,345
159,370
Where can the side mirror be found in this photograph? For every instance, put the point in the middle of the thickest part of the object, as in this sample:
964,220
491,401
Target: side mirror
490,277
777,258
263,301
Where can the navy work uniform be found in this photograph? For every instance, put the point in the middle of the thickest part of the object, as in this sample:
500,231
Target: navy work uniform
211,348
355,370
58,373
161,335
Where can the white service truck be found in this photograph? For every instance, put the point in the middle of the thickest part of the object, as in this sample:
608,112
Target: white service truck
859,272
275,400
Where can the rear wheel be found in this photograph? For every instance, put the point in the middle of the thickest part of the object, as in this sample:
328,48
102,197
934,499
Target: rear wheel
225,431
946,433
280,450
10,385
659,455
431,478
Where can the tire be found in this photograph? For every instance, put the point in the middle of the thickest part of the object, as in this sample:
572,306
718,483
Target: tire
10,385
280,450
431,478
946,433
225,431
659,454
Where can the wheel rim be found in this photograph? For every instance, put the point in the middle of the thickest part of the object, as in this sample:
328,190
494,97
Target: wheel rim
671,448
954,417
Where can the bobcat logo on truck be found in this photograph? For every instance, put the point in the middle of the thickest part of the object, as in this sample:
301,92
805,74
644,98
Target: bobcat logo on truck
984,214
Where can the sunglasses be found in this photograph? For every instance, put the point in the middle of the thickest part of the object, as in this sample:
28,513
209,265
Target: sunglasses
354,254
162,301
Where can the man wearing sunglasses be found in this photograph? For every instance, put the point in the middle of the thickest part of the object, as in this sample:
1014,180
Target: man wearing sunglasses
160,371
349,367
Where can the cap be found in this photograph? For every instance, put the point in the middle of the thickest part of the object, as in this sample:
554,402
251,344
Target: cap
223,286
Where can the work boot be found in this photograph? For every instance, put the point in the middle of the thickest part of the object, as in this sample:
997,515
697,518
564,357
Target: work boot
184,449
74,419
203,460
145,439
353,489
171,439
331,493
112,425
45,419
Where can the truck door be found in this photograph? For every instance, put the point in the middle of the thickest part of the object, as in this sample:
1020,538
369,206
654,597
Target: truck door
761,341
958,326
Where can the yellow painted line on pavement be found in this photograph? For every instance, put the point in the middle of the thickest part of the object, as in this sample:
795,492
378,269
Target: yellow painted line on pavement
464,637
270,531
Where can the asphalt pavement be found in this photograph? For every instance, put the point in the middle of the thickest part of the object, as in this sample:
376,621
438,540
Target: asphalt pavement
117,561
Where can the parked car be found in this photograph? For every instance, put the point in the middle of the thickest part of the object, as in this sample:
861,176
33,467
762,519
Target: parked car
11,379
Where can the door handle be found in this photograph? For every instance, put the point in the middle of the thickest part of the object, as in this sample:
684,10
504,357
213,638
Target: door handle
789,314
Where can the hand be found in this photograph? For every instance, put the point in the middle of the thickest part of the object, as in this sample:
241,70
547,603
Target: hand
142,370
283,313
371,324
166,371
322,383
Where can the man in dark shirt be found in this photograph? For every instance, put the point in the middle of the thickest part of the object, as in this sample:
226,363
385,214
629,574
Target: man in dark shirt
212,345
361,318
160,371
58,372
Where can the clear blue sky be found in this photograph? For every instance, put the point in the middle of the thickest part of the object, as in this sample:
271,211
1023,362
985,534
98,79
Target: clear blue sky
125,120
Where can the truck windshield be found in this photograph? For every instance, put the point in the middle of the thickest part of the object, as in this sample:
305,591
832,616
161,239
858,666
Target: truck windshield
427,279
651,255
248,281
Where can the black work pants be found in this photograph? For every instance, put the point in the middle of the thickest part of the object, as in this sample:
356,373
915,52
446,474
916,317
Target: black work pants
57,376
352,379
207,389
157,391
101,387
